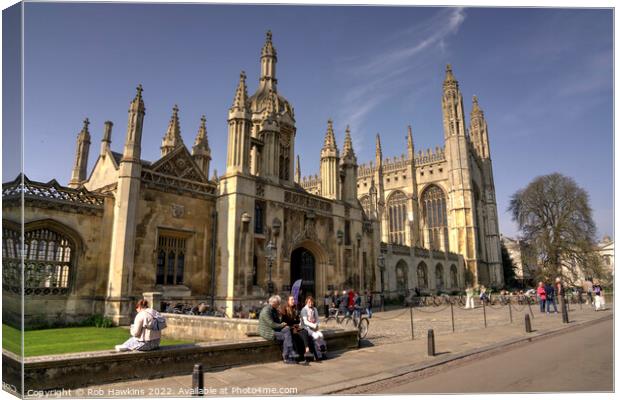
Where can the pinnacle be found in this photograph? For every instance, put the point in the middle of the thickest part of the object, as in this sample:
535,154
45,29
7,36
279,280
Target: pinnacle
347,150
410,138
201,137
449,74
241,95
330,140
268,49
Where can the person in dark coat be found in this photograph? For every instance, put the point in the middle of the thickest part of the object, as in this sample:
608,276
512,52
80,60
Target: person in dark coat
271,327
550,291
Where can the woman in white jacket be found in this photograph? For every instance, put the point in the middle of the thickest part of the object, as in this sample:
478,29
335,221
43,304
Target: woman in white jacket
142,338
310,322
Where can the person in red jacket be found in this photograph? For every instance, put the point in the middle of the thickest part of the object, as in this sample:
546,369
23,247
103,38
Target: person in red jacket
542,296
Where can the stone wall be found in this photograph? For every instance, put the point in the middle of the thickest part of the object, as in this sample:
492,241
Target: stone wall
203,329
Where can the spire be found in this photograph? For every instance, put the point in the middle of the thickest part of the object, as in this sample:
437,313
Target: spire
330,139
133,141
378,152
241,95
475,107
347,149
449,74
138,103
201,141
78,174
410,146
297,171
172,138
268,49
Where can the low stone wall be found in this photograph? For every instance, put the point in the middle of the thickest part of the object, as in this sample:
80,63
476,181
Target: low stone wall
202,329
83,369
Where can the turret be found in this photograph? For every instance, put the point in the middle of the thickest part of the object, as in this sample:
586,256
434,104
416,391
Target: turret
126,199
132,150
78,173
348,164
201,150
107,138
172,138
239,123
478,130
414,224
268,62
330,180
452,106
270,132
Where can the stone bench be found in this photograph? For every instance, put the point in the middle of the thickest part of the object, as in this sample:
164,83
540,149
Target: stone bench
67,371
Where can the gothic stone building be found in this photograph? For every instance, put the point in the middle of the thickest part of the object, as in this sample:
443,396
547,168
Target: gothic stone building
131,226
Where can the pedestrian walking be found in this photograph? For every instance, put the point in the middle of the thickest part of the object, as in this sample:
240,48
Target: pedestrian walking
369,299
484,297
326,303
599,300
588,289
469,299
542,296
550,295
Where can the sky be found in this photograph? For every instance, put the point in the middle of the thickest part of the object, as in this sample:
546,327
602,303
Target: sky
543,77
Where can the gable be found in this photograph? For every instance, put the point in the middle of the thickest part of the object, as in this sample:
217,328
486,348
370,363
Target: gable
180,164
104,173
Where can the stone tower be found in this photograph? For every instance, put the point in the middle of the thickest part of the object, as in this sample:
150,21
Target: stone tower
414,225
201,151
270,132
462,222
239,123
489,233
348,165
330,176
78,173
172,139
118,306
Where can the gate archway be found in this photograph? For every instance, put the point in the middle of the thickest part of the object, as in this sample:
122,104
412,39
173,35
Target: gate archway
303,266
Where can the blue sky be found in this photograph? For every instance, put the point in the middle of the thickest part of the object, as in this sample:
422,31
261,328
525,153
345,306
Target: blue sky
543,77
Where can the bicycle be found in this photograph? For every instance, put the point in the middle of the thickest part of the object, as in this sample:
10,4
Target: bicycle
360,322
336,315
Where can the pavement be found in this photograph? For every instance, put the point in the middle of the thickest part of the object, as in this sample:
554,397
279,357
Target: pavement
384,357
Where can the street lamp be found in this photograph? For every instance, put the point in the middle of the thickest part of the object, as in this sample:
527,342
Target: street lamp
270,256
381,263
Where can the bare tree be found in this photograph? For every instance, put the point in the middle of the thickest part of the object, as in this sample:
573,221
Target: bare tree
555,219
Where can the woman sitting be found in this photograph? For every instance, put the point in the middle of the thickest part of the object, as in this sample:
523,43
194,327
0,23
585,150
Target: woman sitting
310,322
142,338
290,316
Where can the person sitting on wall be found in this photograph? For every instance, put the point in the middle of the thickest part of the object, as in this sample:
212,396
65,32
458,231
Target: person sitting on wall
310,324
343,303
271,327
301,341
142,338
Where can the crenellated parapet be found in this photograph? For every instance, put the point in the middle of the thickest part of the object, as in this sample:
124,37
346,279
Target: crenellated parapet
311,183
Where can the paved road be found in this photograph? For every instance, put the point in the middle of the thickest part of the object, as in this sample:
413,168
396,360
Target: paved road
581,360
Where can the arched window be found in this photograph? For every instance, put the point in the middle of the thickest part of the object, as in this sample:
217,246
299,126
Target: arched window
49,258
439,281
422,276
435,217
454,278
365,202
402,277
397,214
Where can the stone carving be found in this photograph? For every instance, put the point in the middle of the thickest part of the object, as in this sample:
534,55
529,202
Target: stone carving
307,201
178,210
260,189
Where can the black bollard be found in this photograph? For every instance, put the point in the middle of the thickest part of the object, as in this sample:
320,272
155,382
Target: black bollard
431,343
411,316
198,381
452,315
529,306
564,312
528,324
484,313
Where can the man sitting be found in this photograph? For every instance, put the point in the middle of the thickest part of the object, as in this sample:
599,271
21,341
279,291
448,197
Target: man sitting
271,327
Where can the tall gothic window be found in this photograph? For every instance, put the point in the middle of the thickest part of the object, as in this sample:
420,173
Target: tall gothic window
170,258
402,277
397,214
422,276
48,261
435,217
365,202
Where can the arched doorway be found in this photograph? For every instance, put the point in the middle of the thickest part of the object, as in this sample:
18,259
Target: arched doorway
303,267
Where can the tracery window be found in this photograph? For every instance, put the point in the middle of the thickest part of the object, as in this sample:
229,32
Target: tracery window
259,216
435,217
422,276
397,214
365,202
48,261
170,258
